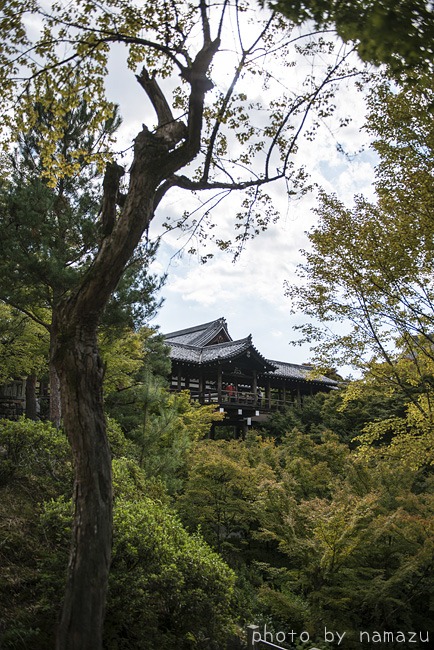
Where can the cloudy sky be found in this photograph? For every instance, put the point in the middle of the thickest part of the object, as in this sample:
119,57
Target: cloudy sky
250,292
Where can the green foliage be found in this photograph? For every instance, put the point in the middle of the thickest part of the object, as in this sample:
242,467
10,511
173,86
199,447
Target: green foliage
137,366
346,412
120,446
372,264
51,231
165,42
225,479
23,345
35,466
318,534
34,452
134,302
397,33
130,482
341,523
178,591
124,356
369,269
165,426
166,588
172,425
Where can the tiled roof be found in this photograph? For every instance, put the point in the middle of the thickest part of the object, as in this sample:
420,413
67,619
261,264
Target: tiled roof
183,352
191,345
212,353
225,350
294,371
199,335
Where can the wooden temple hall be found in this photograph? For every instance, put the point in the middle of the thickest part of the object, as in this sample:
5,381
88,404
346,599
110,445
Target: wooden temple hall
235,376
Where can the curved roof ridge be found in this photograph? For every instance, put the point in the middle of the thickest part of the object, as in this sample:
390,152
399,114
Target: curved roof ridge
200,334
229,343
190,346
196,328
300,371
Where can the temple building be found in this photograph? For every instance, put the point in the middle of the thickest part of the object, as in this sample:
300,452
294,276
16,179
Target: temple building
235,376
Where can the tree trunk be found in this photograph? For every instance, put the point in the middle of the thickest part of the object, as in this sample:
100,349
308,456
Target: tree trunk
31,405
81,375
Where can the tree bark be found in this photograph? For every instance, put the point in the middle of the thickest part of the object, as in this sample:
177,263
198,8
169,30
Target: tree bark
80,371
75,357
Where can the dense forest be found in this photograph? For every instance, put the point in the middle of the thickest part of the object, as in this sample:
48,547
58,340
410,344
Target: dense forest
124,524
299,527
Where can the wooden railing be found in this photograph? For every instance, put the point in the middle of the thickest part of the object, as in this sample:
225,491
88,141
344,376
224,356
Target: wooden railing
236,397
11,408
239,398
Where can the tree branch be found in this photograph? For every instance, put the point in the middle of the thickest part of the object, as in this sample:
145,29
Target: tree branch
205,22
186,183
156,96
112,177
227,99
28,313
171,130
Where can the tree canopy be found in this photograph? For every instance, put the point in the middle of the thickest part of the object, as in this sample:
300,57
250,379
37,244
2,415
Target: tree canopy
370,264
167,588
166,41
368,274
397,33
23,345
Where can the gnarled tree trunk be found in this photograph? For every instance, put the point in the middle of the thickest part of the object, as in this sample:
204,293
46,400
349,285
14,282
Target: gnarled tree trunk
81,373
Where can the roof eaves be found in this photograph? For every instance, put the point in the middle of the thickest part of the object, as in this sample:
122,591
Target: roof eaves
301,373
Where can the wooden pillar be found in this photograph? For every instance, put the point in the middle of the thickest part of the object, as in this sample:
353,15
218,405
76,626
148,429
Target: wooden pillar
219,384
298,396
268,394
179,381
201,388
31,408
252,636
255,387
